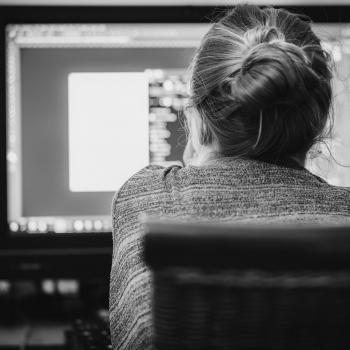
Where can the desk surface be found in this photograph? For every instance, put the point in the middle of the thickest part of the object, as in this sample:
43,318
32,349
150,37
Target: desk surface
36,334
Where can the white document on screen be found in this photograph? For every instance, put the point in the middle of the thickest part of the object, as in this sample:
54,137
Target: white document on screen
108,129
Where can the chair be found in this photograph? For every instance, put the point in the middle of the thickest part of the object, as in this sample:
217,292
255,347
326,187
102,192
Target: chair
249,287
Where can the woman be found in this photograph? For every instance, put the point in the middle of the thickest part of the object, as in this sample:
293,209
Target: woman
260,99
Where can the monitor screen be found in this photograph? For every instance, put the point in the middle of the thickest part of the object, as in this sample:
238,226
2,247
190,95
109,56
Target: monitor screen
88,105
331,159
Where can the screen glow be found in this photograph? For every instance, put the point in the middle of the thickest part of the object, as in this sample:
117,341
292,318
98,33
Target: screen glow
108,129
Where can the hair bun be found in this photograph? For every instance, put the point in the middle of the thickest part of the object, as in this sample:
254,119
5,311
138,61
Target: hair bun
273,72
261,82
262,34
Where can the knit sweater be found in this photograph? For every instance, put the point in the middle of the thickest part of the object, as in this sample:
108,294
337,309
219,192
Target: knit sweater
224,190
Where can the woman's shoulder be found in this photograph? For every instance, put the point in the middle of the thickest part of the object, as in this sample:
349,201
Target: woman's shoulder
148,180
341,191
155,181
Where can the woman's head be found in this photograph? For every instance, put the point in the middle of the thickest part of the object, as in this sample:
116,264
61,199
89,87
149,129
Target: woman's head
261,84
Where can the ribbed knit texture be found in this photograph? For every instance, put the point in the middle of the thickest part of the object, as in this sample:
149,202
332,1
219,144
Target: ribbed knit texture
225,190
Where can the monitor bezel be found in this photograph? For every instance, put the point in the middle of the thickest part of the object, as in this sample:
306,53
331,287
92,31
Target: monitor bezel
44,247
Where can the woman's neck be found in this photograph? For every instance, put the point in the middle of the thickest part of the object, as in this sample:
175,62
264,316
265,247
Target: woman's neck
205,154
208,153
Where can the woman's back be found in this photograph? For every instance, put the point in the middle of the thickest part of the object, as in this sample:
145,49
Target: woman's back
224,190
260,96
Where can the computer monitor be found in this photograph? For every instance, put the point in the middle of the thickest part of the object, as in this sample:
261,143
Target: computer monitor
90,95
88,106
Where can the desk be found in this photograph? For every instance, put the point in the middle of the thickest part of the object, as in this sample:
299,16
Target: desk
43,335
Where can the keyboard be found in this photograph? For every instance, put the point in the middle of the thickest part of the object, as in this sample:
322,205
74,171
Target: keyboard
89,335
